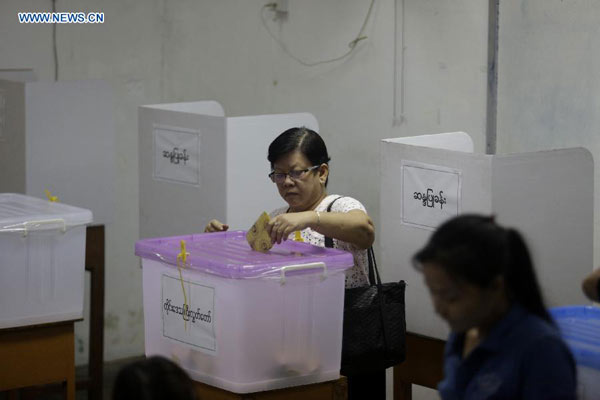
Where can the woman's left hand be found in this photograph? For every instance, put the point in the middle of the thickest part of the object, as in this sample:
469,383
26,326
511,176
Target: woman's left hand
283,225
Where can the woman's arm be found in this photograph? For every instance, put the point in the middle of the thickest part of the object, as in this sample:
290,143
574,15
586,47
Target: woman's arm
353,226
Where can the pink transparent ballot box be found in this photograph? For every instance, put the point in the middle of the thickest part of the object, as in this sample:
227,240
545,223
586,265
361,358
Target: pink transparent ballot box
242,320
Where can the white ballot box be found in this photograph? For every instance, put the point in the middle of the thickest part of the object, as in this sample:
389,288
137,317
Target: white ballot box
195,164
42,260
546,195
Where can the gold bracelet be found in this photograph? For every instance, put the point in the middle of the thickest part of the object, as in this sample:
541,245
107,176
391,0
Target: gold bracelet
318,219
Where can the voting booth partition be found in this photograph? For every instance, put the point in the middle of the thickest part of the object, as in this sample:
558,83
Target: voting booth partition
18,74
196,164
547,195
60,137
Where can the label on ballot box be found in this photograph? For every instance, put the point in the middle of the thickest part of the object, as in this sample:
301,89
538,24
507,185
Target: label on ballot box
188,313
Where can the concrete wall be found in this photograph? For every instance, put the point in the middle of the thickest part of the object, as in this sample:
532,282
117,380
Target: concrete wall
549,81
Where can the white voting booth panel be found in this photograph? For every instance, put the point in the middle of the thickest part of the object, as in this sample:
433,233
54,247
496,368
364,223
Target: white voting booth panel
18,74
59,136
196,165
547,196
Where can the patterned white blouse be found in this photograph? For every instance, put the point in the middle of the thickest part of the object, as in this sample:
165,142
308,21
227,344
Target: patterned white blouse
357,275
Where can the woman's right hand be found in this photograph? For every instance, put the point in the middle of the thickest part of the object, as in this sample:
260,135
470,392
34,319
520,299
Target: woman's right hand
216,226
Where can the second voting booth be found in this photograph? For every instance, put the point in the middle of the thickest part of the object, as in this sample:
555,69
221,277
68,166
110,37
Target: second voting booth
196,164
547,195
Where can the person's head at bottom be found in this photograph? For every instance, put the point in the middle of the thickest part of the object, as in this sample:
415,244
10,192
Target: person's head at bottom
153,378
476,270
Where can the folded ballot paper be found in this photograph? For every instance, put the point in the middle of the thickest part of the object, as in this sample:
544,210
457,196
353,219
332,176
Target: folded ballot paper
258,237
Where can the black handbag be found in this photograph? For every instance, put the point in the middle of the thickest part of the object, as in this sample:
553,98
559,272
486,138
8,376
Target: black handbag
374,336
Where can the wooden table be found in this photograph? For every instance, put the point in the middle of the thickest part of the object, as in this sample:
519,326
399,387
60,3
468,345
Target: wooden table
94,263
38,355
330,390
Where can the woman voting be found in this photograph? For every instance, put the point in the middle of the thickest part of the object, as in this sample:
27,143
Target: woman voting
503,344
300,170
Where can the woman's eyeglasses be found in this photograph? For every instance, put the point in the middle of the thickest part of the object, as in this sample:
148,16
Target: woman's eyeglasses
279,177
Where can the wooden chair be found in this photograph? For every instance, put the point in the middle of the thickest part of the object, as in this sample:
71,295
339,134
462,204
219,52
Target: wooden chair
423,365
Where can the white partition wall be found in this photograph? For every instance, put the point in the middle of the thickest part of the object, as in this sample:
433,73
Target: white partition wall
59,136
18,74
196,164
547,195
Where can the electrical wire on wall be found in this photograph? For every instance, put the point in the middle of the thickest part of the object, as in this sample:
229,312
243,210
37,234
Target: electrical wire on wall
352,44
399,117
55,51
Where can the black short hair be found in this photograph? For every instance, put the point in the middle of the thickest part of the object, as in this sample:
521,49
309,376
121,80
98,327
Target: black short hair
153,378
303,139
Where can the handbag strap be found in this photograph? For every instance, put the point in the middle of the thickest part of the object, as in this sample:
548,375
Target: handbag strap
328,240
385,328
373,272
374,277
